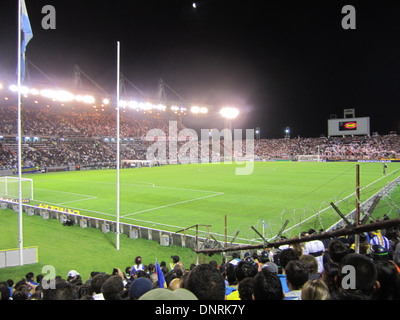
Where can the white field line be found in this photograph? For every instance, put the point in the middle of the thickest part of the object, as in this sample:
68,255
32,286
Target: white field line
146,184
172,204
86,196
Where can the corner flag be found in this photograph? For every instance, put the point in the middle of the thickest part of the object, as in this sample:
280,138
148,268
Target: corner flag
26,35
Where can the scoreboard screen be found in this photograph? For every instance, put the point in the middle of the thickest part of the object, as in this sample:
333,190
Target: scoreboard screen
349,126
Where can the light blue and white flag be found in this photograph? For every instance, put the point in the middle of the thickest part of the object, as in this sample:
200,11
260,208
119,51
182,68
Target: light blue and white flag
26,35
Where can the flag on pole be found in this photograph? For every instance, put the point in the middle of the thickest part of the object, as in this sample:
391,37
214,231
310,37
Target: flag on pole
160,275
26,36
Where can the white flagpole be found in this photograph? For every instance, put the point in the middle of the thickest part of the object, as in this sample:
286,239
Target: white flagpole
118,76
19,139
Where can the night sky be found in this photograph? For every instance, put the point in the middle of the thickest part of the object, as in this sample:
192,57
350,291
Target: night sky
283,63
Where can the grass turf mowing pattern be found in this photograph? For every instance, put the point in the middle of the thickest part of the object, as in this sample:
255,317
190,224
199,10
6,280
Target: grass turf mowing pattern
178,196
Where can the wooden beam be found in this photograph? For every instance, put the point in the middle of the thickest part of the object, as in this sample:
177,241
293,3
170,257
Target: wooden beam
385,224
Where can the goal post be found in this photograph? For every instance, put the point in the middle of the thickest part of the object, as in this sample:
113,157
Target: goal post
309,157
9,188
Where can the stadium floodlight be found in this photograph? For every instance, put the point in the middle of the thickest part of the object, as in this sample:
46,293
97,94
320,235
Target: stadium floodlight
123,103
34,91
86,99
161,107
58,95
106,101
14,88
133,104
194,109
203,110
229,112
1,85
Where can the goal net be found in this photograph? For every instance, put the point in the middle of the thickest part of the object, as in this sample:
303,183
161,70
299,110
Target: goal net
9,188
308,157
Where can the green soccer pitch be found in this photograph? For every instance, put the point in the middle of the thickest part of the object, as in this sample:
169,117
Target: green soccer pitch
179,196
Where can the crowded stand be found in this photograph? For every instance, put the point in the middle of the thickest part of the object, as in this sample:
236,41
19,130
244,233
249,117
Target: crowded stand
284,273
58,136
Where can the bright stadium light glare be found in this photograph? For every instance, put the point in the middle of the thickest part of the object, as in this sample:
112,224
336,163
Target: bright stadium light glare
229,112
195,109
1,85
106,101
161,107
13,88
123,103
24,90
62,95
34,91
133,104
203,110
89,99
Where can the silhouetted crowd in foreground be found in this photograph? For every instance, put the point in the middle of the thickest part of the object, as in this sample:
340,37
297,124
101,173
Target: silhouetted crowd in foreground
315,270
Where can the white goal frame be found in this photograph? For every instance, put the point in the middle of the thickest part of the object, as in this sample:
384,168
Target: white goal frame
309,157
6,181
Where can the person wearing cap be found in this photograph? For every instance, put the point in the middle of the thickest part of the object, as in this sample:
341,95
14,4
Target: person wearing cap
73,275
377,252
139,287
315,248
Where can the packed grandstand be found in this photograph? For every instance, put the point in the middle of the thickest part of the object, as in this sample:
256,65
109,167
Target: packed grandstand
61,137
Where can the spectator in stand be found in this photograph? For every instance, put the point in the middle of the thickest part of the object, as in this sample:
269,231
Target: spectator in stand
30,278
312,264
63,291
206,283
243,270
315,290
164,268
267,286
139,287
138,266
329,276
362,285
95,285
285,257
113,288
175,260
378,238
297,274
315,248
232,283
389,280
246,289
337,250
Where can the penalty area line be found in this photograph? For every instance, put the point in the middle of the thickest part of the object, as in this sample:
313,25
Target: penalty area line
172,204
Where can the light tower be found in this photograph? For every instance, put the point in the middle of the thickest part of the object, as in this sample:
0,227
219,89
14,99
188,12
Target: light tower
287,133
229,114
